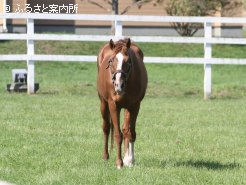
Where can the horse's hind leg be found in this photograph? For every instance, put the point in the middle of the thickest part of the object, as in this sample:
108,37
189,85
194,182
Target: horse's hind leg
105,127
129,134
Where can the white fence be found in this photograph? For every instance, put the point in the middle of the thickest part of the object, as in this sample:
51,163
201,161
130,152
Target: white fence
207,40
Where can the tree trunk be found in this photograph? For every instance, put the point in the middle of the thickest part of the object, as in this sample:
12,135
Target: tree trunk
115,11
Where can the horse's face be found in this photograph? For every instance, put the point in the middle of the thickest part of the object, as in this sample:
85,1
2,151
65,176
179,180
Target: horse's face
120,66
120,69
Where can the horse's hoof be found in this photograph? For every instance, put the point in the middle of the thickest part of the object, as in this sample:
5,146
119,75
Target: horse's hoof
105,157
119,164
128,160
128,163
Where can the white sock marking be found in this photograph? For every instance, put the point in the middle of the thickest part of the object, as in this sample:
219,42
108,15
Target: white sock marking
129,155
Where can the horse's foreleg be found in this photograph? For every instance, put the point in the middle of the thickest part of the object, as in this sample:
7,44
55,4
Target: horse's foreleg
105,127
129,134
115,116
129,156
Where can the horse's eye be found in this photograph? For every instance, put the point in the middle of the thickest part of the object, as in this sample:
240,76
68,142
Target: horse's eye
110,62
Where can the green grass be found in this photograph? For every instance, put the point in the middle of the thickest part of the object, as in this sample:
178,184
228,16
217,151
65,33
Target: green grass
149,49
55,136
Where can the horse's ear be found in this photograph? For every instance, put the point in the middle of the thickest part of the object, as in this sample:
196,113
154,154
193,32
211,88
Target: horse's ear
128,44
111,44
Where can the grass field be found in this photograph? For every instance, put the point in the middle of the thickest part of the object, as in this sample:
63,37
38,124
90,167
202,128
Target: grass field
55,136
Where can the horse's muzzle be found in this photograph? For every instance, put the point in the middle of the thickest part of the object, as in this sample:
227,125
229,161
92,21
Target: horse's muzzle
120,93
120,90
119,82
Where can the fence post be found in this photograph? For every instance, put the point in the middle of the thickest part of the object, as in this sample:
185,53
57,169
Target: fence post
30,52
207,65
4,19
118,28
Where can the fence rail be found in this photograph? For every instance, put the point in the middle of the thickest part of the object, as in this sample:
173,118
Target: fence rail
207,40
155,39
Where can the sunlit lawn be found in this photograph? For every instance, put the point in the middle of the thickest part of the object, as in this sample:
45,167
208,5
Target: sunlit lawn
55,136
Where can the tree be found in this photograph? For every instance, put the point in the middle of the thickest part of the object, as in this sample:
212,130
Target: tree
113,5
177,8
231,7
190,8
198,8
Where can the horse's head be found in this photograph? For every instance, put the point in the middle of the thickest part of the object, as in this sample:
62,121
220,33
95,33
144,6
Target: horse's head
120,64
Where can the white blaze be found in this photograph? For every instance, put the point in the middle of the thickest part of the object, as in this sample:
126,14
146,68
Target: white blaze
119,57
118,80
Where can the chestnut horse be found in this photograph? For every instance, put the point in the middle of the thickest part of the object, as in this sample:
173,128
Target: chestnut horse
121,83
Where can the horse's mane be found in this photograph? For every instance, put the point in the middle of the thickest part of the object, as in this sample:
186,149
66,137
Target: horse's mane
119,45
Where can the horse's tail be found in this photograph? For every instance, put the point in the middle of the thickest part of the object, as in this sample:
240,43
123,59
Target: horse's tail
112,136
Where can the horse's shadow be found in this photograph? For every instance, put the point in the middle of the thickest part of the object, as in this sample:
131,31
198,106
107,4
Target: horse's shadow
210,165
197,164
